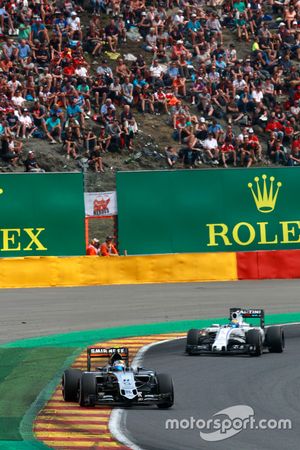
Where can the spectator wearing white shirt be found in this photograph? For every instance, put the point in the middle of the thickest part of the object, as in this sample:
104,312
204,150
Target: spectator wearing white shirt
156,72
239,84
74,26
258,95
81,71
18,100
26,126
178,17
151,41
211,148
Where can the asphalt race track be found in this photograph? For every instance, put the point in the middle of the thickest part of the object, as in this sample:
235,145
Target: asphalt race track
205,385
36,312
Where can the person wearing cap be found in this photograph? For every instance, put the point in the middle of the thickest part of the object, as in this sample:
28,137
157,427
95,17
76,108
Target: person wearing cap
108,248
254,141
38,31
74,26
144,25
180,50
194,28
93,248
178,17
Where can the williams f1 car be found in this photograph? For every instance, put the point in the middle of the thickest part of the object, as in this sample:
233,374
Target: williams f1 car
238,336
116,382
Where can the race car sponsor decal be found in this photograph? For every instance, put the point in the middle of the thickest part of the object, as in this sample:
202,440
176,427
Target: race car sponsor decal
67,426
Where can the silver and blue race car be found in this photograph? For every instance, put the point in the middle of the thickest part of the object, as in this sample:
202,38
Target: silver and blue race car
116,382
237,337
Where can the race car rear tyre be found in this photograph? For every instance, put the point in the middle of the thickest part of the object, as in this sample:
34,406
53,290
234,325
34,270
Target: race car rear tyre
192,339
165,386
70,384
275,339
253,338
87,390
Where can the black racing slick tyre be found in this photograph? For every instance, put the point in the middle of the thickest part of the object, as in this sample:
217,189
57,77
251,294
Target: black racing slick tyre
275,339
87,390
253,338
165,387
192,339
70,384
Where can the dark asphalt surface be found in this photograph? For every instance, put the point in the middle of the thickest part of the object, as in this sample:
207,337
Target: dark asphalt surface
37,312
205,385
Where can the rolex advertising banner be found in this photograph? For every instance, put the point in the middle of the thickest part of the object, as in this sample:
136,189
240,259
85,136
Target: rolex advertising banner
220,210
41,214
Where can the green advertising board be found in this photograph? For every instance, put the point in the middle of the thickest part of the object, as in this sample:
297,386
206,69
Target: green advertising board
208,210
41,214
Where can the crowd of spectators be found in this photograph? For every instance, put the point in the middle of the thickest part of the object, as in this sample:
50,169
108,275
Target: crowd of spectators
63,78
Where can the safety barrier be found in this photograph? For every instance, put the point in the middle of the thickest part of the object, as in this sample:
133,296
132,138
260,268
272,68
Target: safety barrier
272,264
93,270
190,267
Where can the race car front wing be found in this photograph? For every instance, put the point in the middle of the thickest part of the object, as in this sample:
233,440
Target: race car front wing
209,349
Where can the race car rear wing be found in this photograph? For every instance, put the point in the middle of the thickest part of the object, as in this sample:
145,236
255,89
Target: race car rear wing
112,353
248,313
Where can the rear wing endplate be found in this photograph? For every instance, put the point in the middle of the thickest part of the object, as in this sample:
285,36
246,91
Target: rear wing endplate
248,313
113,353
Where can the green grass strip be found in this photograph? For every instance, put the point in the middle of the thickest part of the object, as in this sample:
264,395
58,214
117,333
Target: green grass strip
83,338
26,371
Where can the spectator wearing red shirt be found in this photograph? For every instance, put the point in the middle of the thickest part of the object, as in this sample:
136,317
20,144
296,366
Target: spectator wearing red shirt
275,126
253,139
108,248
294,157
93,248
228,153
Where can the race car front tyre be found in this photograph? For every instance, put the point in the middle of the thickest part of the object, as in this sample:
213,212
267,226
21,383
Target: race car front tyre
70,384
253,339
165,388
275,339
192,339
87,390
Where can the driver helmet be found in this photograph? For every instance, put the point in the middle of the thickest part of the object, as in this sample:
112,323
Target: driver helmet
234,323
119,365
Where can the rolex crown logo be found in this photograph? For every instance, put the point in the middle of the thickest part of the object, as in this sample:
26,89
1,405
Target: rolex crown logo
265,197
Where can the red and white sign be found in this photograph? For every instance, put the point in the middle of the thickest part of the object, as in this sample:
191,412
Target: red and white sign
100,204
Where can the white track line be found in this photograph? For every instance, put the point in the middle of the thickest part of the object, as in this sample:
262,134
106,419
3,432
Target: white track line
117,420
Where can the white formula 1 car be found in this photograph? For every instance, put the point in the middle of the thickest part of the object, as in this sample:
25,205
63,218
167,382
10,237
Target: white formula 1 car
238,336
